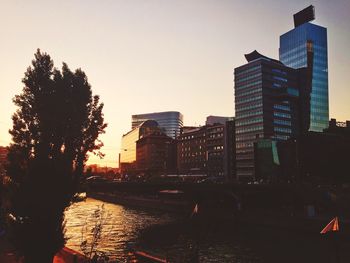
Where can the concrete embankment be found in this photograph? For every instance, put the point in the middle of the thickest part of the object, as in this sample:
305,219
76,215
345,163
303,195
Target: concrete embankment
276,218
146,202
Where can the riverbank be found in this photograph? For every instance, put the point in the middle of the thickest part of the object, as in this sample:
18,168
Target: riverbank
151,202
282,218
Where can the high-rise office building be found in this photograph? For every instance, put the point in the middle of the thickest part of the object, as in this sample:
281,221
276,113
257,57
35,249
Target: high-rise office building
295,45
169,121
266,105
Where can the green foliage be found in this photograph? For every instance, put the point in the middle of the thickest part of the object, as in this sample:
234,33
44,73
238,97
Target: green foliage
57,123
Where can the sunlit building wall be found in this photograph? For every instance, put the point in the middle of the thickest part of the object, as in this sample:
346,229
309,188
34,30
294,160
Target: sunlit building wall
127,160
170,121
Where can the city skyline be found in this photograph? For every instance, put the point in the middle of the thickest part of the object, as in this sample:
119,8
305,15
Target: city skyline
151,57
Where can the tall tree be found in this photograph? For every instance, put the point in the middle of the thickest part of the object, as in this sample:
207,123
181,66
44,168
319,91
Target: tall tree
57,123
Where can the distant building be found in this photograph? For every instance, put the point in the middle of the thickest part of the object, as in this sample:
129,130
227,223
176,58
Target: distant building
191,151
294,51
230,149
170,121
215,141
211,120
267,107
127,157
337,127
208,149
156,154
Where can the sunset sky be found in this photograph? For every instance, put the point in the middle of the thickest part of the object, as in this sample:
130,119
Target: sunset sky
146,56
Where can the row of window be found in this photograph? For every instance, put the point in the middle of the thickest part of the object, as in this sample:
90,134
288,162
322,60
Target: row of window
297,49
216,135
281,114
189,137
281,107
243,157
248,70
245,151
249,92
248,107
249,114
280,129
248,85
282,122
249,129
281,137
244,145
248,99
275,70
249,121
239,80
249,137
218,129
279,78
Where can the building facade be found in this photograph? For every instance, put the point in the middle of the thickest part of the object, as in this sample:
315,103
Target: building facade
230,149
156,154
266,106
215,142
293,52
208,150
170,121
127,157
191,151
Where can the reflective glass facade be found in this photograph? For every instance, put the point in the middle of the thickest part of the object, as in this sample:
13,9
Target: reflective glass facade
128,145
293,53
169,121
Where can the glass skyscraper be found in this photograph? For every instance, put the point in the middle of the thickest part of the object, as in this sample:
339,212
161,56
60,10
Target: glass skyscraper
170,121
293,52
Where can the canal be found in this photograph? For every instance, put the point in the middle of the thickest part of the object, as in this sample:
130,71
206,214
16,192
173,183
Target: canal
177,238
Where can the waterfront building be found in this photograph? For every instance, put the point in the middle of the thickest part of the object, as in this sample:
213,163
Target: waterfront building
191,151
294,51
266,105
316,157
211,120
170,121
127,157
215,149
156,155
208,149
230,149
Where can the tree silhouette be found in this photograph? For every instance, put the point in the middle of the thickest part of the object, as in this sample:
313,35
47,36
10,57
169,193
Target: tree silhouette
57,123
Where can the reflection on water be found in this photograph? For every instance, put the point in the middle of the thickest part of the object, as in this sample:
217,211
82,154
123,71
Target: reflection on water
122,225
168,236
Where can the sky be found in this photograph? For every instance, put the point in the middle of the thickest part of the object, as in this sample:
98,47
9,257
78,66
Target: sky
145,56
